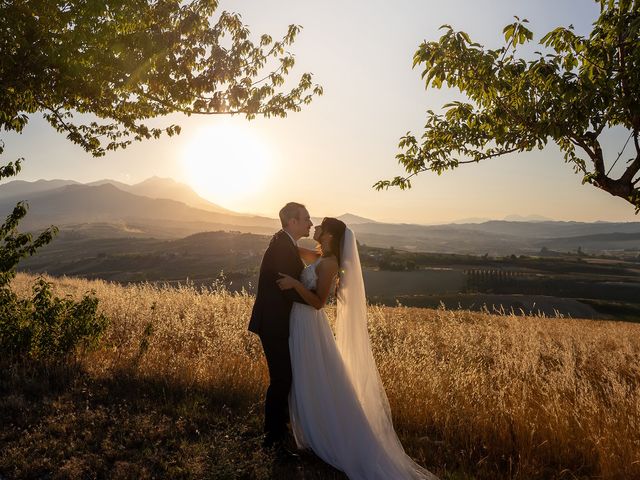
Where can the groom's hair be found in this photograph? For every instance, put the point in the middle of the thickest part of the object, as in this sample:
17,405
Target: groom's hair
289,211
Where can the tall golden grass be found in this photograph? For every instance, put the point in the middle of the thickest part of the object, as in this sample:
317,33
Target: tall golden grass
526,397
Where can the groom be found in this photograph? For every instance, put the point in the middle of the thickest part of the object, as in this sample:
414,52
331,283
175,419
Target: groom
270,317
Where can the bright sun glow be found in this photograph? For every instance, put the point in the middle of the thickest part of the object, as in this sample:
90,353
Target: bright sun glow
225,164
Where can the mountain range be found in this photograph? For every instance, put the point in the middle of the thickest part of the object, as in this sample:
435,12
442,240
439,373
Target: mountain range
164,208
154,187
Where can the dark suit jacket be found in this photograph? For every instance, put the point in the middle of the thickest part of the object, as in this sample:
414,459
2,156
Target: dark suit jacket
270,316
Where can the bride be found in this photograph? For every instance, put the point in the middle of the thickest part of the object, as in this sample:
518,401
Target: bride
337,404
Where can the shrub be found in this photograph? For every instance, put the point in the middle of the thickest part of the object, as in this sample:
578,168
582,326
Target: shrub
46,327
43,327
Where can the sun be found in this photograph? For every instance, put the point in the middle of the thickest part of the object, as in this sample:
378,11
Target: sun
226,164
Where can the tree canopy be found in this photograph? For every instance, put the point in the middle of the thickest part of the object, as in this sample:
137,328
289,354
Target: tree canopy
97,70
125,61
570,93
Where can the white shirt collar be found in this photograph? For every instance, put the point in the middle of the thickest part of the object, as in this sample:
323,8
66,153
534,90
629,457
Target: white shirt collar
292,239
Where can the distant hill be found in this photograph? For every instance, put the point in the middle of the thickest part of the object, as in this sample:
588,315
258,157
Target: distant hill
471,220
552,229
508,218
351,219
154,187
106,204
168,188
163,208
21,190
157,207
348,218
594,243
526,218
107,181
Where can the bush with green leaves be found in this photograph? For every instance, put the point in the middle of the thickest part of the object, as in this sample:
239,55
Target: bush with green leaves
46,327
43,327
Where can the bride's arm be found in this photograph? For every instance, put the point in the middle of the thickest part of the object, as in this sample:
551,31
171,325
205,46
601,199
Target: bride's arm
327,270
308,256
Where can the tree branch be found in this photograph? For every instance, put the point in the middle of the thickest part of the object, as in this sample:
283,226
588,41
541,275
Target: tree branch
620,154
491,155
631,172
464,162
582,144
55,111
188,111
275,72
634,168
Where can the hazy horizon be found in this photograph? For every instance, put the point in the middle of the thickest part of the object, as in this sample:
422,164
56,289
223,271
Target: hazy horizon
514,216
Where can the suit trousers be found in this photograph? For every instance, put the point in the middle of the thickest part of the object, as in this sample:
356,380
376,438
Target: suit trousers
276,405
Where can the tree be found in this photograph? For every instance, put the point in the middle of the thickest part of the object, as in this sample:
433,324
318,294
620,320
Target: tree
570,95
128,61
98,70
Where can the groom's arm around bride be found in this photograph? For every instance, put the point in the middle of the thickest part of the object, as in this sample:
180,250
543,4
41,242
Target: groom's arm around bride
272,306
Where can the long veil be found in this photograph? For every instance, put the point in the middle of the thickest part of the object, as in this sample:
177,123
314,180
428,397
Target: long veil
354,345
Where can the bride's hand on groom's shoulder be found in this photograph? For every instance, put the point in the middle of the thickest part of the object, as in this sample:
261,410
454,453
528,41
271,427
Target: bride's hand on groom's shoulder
286,282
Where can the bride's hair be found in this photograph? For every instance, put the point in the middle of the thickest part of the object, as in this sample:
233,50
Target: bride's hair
336,228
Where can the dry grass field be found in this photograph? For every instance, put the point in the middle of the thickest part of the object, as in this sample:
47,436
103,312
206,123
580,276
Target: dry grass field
175,391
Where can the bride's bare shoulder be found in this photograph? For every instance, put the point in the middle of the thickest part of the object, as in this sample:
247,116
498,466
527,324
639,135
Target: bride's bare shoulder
328,264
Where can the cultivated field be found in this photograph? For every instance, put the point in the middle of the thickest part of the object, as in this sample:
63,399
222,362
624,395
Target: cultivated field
176,390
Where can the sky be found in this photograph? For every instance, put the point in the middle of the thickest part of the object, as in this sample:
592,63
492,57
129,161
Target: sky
329,155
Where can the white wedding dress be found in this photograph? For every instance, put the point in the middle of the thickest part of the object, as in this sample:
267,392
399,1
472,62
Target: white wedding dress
337,404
